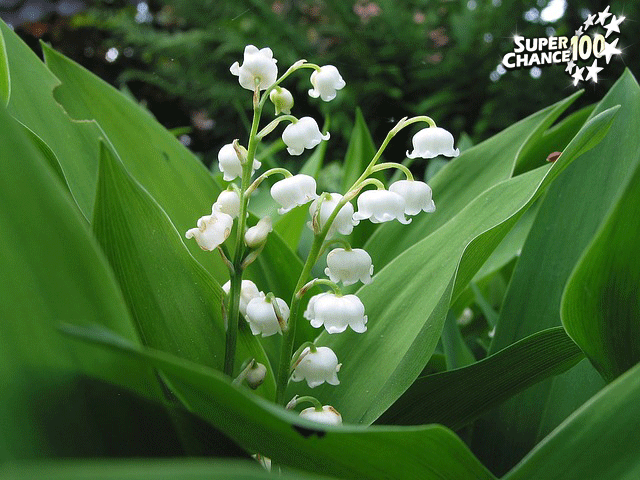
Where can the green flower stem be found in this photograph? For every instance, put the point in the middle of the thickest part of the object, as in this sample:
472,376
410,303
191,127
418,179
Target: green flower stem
238,255
399,166
296,66
289,335
273,171
335,241
298,400
318,281
274,123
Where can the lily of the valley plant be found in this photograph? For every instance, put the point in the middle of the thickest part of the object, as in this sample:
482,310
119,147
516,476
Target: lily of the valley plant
332,214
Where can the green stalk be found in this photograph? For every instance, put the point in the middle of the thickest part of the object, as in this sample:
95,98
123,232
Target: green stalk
238,254
288,336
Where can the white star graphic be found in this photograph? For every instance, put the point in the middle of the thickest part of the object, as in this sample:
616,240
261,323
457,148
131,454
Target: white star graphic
592,71
589,21
570,66
610,49
578,32
577,76
602,16
612,26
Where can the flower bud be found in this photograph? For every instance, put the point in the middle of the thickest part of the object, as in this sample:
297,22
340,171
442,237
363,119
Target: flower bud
343,223
305,133
255,376
228,202
212,229
262,316
293,191
380,206
336,313
325,83
258,66
417,196
328,415
349,266
282,100
257,235
317,367
230,164
431,142
248,291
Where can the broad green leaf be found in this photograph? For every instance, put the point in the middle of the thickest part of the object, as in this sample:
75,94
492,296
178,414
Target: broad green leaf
408,299
289,226
567,220
456,350
426,452
74,145
600,440
53,271
173,299
601,303
463,179
146,469
456,397
553,140
5,80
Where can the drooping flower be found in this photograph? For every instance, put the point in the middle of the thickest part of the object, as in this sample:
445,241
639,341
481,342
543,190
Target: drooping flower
262,318
417,196
343,223
380,206
325,83
257,235
305,133
248,291
349,266
229,202
256,375
293,191
336,313
282,100
212,229
230,164
317,367
258,68
431,142
328,415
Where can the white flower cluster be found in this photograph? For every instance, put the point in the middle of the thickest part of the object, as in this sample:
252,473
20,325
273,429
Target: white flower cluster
331,214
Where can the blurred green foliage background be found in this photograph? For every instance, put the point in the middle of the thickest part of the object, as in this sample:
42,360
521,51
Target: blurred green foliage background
399,58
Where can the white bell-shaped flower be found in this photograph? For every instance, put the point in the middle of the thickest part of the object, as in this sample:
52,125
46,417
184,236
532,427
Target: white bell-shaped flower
257,235
282,100
336,313
325,83
262,316
228,202
230,164
317,367
349,266
248,291
293,191
417,196
380,206
431,142
343,223
305,133
328,415
212,229
259,67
